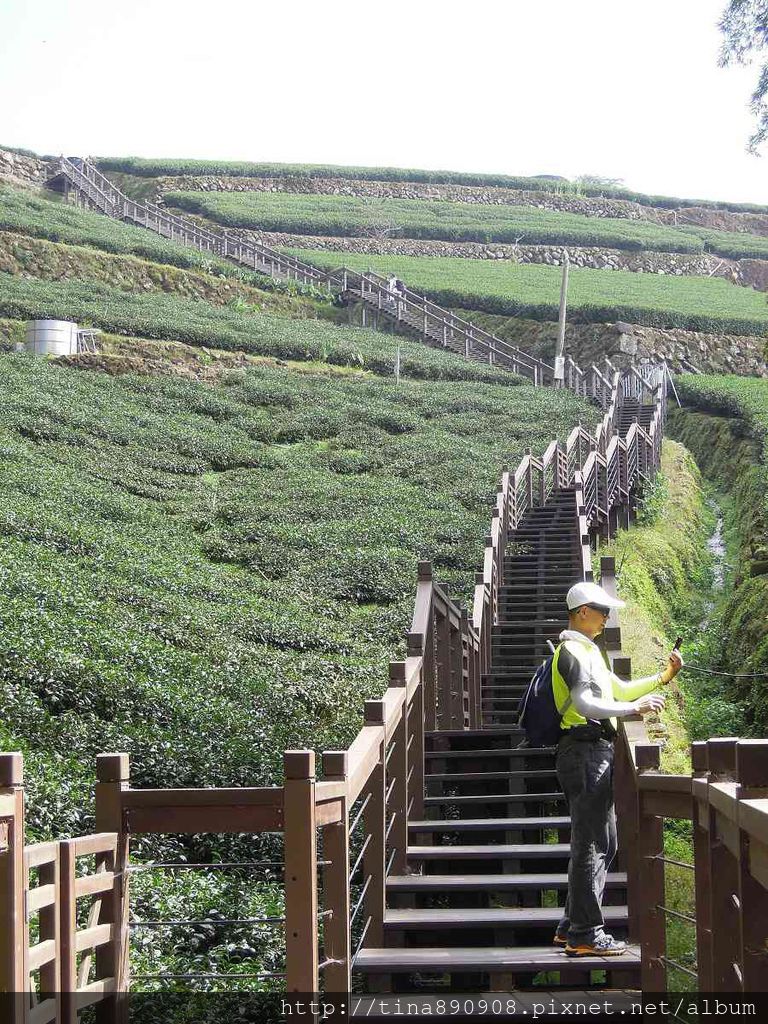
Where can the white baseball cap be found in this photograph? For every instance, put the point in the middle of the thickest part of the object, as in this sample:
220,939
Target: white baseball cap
590,593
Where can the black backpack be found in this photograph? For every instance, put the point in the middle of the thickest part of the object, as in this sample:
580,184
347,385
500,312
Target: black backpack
539,716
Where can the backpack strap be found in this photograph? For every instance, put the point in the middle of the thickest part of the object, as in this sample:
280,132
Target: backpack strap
569,699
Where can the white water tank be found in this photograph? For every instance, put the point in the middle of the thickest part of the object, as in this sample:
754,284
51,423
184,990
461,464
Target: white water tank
51,338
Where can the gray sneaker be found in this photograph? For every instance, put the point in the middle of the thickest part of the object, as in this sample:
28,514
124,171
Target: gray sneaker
601,945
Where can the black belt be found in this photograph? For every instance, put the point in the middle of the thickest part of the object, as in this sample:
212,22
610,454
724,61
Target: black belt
585,733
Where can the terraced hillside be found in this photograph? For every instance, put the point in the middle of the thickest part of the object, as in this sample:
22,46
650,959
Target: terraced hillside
552,184
595,296
248,521
350,216
493,243
210,530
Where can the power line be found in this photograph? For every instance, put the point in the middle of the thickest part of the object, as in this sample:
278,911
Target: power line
728,675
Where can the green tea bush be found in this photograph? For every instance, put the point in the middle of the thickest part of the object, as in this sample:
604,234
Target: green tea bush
152,550
204,576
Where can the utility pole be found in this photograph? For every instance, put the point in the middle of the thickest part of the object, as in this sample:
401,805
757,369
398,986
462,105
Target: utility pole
559,358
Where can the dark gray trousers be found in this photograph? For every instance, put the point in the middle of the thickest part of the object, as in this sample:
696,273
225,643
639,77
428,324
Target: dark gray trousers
585,772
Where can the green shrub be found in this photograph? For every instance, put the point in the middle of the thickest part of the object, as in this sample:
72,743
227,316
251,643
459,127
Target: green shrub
153,547
726,426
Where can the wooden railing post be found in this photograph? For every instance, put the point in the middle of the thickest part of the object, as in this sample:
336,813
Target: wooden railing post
424,645
397,775
701,861
458,677
445,709
301,950
112,960
416,728
470,673
752,774
723,873
375,817
653,930
68,920
336,899
13,978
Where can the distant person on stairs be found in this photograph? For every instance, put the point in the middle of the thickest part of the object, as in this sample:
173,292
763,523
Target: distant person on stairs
396,290
584,760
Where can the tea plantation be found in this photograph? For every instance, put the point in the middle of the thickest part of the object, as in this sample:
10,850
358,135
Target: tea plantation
44,216
414,218
456,222
253,543
144,167
532,291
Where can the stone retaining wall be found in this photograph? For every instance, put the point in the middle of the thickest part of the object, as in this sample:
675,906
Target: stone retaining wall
625,343
590,206
16,168
753,273
488,196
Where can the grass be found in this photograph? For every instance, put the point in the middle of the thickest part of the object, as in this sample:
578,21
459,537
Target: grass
511,289
24,256
144,167
664,576
725,424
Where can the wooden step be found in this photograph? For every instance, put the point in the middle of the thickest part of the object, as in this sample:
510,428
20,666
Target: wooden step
496,851
442,918
501,798
537,773
528,959
468,734
491,883
489,752
488,824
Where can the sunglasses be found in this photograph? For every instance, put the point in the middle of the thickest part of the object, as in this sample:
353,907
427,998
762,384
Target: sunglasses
605,612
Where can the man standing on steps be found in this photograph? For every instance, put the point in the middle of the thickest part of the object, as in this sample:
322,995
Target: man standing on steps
584,760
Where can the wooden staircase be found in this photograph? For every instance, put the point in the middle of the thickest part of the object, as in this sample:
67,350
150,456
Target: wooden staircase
488,863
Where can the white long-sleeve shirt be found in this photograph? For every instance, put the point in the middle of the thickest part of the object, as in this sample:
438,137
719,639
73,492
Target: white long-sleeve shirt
596,692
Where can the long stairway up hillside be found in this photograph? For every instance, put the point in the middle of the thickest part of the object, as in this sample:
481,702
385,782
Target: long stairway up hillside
489,860
407,311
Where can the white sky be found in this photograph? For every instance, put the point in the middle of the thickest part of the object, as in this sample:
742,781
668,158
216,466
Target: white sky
622,88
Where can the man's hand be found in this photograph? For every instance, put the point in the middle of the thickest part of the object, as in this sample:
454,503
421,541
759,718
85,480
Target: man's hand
674,665
651,702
